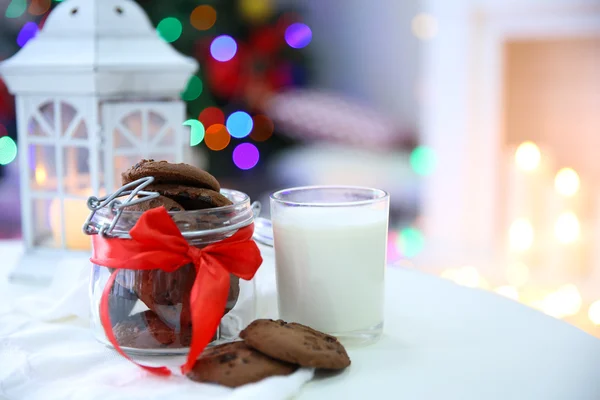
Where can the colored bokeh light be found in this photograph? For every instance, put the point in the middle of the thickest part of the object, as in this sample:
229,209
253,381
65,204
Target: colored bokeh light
223,48
256,10
196,131
528,156
411,242
262,128
8,150
216,137
27,32
192,90
15,8
3,131
211,116
169,29
203,17
38,7
423,160
298,35
566,182
245,156
239,124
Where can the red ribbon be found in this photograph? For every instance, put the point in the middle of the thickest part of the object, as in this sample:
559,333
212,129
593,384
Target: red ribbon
157,243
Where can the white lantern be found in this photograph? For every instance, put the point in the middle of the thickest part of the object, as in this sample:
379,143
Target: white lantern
96,91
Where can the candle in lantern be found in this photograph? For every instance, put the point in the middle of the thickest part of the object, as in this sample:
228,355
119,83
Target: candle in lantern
75,214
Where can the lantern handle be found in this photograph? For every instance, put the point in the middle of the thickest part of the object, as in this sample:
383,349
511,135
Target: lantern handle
133,189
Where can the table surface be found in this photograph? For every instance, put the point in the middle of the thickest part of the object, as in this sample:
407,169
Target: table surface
443,341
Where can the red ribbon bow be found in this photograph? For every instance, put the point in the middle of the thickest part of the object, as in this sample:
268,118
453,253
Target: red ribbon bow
156,243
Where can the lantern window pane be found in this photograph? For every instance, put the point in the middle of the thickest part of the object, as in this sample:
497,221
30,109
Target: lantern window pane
67,118
39,129
133,124
76,171
156,125
47,111
42,168
167,138
123,163
46,214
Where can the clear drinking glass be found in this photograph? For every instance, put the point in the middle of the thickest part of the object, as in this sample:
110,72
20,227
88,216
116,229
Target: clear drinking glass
330,255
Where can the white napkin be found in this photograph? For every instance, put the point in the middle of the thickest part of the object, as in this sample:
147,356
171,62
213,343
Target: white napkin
48,352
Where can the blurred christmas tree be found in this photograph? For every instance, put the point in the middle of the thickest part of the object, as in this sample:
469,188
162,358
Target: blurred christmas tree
245,48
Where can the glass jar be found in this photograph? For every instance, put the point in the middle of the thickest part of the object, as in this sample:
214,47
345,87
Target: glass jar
149,309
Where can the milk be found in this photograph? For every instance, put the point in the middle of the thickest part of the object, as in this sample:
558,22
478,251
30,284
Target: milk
330,265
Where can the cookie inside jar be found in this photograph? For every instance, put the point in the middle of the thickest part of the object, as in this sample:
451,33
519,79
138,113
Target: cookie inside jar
150,309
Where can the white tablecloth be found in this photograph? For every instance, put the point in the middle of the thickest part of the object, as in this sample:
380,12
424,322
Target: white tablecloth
441,341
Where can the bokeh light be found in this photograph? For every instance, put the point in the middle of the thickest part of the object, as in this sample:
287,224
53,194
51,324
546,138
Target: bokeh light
245,156
521,234
256,10
216,137
423,160
424,26
510,292
528,156
196,131
517,274
8,150
594,312
15,8
3,131
211,116
27,32
565,302
38,7
298,35
223,48
410,242
203,17
239,124
566,228
262,128
566,182
465,276
169,29
40,175
192,90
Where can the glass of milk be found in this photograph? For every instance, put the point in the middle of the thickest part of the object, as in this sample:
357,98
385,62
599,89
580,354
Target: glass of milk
330,256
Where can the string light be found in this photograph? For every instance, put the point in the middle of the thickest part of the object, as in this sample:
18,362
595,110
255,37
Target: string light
223,48
239,124
528,156
203,17
38,7
567,228
15,8
566,182
521,235
256,10
298,35
217,138
245,156
169,29
8,150
423,160
424,26
411,242
211,116
27,32
192,90
197,132
262,128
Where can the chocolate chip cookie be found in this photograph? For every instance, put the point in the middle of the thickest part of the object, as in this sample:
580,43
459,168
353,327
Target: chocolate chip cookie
235,364
160,201
165,172
144,331
295,343
191,198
